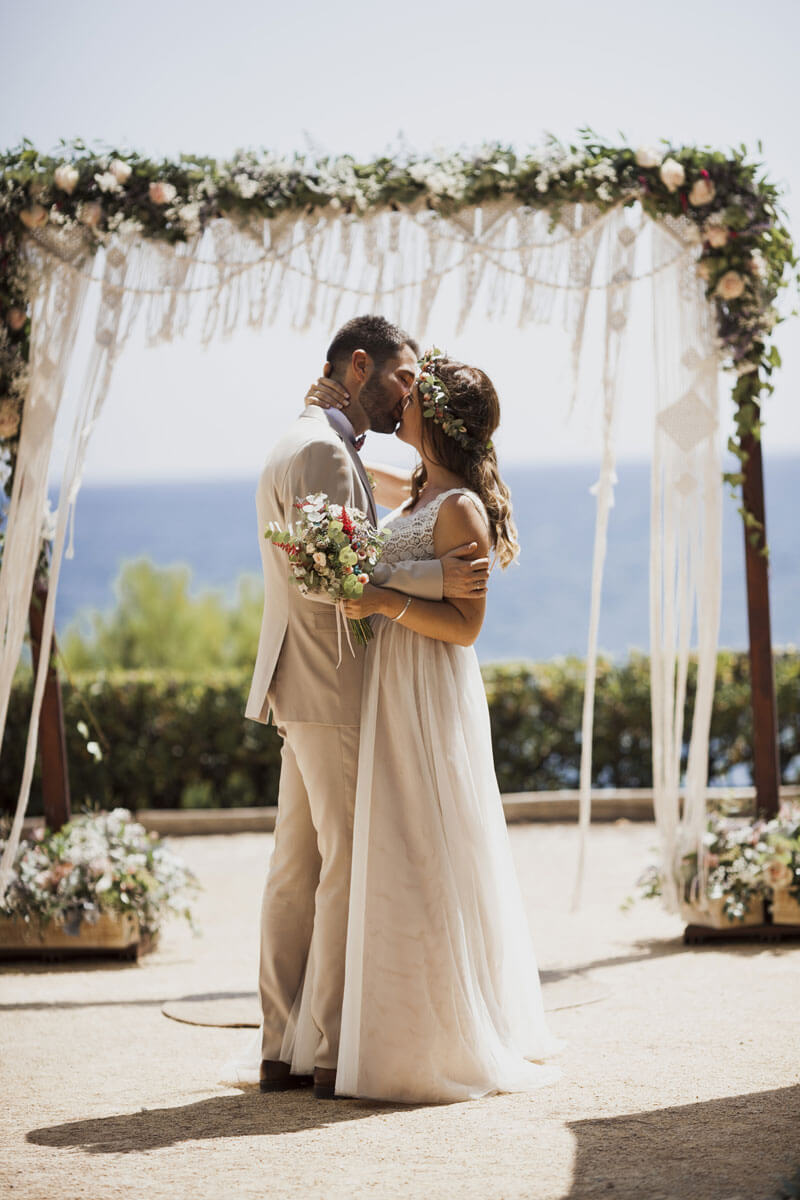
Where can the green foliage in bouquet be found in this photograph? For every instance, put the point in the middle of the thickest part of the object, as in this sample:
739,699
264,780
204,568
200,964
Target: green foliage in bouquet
332,553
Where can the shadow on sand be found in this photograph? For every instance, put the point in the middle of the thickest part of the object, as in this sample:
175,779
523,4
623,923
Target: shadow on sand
735,1148
249,1114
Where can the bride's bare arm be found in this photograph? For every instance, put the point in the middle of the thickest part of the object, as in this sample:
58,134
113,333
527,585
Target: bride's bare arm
454,620
392,484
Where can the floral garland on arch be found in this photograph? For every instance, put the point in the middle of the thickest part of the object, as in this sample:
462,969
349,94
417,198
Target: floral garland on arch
747,254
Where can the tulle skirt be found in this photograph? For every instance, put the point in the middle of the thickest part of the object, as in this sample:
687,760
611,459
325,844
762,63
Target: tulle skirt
442,999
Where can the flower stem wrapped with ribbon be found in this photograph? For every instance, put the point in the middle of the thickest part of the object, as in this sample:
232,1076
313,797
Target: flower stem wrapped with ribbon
332,552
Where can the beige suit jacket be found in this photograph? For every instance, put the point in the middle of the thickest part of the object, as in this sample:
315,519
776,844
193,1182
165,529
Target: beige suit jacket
295,673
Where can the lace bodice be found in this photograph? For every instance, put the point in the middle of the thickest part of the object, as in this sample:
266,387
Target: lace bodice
412,533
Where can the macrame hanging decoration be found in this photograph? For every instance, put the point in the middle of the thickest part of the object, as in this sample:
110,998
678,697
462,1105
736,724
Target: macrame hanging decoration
508,262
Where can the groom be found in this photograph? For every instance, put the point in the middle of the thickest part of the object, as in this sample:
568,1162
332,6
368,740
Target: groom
316,705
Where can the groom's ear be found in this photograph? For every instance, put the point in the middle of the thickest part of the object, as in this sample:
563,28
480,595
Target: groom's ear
359,365
327,370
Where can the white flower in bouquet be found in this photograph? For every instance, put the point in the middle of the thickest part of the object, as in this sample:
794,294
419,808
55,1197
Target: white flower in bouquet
648,156
120,170
730,286
66,178
672,174
161,192
107,182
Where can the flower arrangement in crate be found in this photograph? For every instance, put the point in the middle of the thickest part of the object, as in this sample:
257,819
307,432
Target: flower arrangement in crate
100,869
745,862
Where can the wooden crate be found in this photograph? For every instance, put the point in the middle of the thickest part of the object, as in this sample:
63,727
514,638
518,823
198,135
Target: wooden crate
712,914
112,933
785,908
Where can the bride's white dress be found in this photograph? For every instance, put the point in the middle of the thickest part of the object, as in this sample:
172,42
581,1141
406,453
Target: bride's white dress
442,1000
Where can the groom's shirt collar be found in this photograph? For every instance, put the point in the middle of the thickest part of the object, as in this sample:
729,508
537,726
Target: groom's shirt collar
343,427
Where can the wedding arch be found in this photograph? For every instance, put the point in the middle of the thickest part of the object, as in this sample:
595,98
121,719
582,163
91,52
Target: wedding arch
99,243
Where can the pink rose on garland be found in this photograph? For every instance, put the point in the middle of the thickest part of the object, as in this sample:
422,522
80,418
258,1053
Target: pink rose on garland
703,191
162,193
730,286
16,318
34,217
778,874
715,234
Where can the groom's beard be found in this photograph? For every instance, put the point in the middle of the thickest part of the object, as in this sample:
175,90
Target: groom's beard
384,414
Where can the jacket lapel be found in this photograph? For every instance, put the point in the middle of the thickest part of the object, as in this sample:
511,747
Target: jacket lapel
361,471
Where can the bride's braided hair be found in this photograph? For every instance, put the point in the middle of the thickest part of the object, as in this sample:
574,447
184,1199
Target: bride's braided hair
471,396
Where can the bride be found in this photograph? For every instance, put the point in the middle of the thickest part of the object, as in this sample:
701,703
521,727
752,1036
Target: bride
442,1000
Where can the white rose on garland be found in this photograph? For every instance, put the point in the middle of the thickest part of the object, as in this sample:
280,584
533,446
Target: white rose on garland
648,156
757,264
66,178
107,182
34,217
672,174
161,192
730,286
703,191
120,170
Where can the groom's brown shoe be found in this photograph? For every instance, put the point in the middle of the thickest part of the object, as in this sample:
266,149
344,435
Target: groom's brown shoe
324,1083
277,1077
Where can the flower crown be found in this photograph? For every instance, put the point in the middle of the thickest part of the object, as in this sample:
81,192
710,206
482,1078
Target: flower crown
435,400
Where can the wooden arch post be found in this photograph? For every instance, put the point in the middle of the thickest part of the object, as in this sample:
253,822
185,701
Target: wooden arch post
766,764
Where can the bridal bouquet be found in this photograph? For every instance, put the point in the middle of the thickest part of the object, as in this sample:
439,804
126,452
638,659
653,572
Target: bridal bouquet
332,552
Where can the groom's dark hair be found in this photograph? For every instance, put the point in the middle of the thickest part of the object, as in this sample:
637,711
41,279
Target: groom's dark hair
374,334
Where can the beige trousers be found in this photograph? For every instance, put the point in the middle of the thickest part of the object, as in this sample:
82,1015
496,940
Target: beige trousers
308,884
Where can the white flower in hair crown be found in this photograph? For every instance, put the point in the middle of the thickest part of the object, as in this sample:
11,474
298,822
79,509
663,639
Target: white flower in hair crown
435,400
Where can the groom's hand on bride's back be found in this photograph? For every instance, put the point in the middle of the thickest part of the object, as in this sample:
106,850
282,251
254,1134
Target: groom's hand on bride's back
463,575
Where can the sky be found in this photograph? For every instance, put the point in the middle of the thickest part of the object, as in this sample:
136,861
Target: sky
168,77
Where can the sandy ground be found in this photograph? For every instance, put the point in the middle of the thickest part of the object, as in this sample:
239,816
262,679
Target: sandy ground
681,1079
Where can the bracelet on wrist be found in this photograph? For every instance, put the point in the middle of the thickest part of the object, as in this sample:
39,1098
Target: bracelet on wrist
403,610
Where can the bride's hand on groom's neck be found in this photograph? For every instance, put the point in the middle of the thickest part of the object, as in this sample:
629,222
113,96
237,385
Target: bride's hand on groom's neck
327,393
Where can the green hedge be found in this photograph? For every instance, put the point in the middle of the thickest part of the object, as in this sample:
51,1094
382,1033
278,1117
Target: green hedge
171,741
